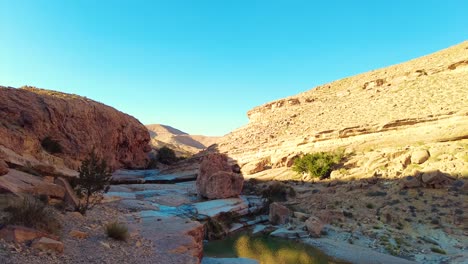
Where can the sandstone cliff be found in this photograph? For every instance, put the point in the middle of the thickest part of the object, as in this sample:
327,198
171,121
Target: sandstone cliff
421,101
32,120
182,143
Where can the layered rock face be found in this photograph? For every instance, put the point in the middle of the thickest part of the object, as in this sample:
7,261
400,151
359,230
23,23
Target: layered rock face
33,120
423,100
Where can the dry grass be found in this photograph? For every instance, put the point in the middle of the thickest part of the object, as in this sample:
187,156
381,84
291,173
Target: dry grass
117,231
33,213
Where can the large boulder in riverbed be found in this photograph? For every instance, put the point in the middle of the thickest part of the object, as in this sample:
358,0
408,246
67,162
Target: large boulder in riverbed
216,180
314,226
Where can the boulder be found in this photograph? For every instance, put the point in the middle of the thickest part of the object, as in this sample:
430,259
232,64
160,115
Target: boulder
411,182
301,216
78,234
436,179
216,179
70,197
20,234
279,214
3,168
420,156
314,226
46,244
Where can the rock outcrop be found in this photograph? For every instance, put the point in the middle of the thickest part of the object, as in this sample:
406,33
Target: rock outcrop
20,183
42,126
20,234
420,101
216,180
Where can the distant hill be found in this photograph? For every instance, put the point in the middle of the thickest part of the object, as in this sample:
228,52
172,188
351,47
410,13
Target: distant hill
182,143
420,101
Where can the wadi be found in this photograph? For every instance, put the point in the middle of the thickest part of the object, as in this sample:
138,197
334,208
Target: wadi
372,168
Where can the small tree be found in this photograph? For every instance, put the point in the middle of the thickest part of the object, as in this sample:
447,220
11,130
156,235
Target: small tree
166,156
92,182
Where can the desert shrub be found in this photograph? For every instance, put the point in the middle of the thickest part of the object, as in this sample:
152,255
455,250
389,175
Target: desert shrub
52,146
152,164
166,156
318,164
33,213
93,180
278,192
117,231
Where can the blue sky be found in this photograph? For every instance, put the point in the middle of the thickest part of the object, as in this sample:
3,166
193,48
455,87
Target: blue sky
201,65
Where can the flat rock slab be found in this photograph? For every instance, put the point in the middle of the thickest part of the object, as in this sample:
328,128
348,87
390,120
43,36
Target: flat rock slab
292,234
175,239
243,205
149,176
353,253
207,260
18,182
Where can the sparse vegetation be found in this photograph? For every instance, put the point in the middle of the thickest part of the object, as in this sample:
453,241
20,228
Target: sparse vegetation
318,165
33,213
152,164
117,231
92,182
438,250
51,145
166,156
370,206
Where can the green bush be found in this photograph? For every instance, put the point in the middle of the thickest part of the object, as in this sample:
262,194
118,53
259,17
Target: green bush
33,213
166,156
318,165
52,146
117,231
92,182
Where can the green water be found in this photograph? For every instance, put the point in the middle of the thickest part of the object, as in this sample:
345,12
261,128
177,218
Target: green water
266,249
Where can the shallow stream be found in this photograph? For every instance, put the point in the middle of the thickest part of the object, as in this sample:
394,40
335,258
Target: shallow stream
266,249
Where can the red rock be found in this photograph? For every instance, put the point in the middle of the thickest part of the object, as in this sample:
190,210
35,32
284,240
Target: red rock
3,168
411,182
314,226
70,197
20,234
216,179
78,234
279,214
79,124
46,244
18,182
436,179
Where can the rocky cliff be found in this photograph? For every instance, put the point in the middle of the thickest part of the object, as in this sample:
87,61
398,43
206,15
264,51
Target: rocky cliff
421,101
46,127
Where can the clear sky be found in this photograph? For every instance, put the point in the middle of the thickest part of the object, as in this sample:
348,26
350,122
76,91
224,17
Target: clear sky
201,65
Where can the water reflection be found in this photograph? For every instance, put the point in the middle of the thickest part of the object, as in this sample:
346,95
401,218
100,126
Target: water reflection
266,249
